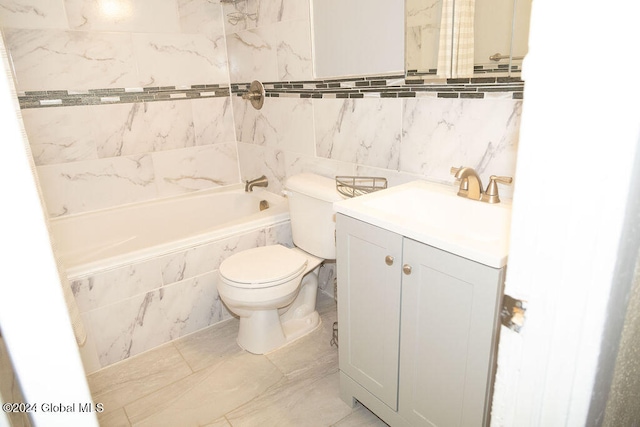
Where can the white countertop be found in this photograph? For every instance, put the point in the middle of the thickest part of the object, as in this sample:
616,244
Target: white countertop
433,214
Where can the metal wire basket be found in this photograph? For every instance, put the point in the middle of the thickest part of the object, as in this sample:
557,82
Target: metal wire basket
352,186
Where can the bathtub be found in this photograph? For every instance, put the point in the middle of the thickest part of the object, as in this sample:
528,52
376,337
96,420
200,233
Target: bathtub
145,274
106,239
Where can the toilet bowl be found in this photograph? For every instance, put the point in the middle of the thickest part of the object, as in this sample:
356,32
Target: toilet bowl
273,289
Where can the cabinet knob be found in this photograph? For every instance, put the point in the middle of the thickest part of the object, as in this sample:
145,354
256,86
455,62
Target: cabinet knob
406,269
389,260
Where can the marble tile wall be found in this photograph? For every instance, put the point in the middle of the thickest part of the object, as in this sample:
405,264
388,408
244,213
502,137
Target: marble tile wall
91,157
402,136
129,152
272,43
141,305
400,139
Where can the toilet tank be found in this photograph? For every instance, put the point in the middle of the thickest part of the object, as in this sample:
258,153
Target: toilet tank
313,221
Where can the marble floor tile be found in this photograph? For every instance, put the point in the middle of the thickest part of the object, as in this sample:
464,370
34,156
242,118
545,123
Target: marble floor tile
325,303
206,395
115,418
137,377
208,346
206,379
222,422
312,352
308,402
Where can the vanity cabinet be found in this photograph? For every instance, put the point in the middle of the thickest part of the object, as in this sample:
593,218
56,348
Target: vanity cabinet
417,328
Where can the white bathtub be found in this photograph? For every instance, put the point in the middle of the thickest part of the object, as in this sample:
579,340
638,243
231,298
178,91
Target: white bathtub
109,238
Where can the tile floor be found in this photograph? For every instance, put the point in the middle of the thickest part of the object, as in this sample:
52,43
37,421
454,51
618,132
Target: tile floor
205,379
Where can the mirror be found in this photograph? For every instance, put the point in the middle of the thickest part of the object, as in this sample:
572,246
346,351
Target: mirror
347,39
499,40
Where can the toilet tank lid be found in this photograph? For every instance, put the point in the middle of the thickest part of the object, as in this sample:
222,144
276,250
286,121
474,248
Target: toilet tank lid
316,186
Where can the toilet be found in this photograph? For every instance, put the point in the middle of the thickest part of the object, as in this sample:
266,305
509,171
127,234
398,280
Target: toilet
273,288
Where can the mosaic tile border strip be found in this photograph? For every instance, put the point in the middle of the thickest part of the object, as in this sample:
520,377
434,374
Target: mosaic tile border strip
67,98
393,86
386,86
478,70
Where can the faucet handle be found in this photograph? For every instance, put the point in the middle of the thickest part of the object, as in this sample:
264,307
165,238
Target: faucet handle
455,170
491,195
501,179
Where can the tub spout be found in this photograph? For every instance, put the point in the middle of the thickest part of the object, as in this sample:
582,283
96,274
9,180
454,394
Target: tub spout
258,182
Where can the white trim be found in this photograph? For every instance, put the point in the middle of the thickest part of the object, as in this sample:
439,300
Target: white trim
33,315
575,161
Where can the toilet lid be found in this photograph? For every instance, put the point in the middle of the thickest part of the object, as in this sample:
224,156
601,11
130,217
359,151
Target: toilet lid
263,267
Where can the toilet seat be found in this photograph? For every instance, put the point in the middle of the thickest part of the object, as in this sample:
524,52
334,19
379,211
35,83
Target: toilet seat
262,267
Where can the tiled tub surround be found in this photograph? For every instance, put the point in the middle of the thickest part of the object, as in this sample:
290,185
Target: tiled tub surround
393,86
176,144
157,45
93,157
383,86
98,60
402,132
130,151
62,98
376,131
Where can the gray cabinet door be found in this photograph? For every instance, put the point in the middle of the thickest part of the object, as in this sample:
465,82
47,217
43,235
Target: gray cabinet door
369,306
449,323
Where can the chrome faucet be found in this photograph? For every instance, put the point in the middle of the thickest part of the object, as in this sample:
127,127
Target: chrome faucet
258,182
471,186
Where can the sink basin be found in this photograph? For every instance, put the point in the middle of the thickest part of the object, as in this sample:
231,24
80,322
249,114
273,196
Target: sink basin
433,214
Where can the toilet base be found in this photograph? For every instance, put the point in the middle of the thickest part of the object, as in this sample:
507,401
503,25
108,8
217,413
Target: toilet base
298,328
268,337
263,331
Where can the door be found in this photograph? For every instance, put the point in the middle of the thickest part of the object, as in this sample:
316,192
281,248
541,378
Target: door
449,321
369,263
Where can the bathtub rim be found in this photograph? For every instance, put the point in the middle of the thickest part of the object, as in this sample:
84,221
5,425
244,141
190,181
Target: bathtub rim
196,193
279,215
